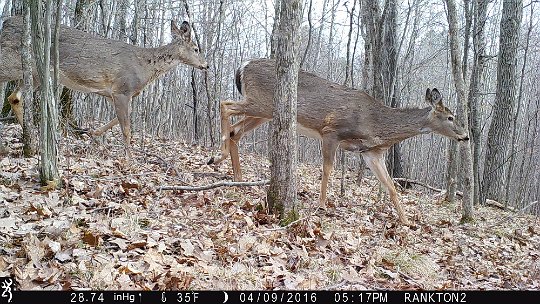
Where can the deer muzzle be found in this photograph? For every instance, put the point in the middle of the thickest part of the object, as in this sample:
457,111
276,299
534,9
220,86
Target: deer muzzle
204,66
463,138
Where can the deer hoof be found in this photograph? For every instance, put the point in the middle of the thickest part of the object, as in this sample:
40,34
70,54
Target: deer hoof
210,161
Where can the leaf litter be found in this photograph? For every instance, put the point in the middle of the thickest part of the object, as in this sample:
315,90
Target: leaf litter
110,227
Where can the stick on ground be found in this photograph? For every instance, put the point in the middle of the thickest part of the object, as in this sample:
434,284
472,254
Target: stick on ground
215,185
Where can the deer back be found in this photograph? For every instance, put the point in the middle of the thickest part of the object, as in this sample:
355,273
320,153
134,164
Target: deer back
10,50
322,106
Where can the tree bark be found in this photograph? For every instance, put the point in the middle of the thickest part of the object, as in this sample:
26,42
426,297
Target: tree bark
476,86
515,129
498,140
282,191
452,180
29,136
464,147
308,46
41,41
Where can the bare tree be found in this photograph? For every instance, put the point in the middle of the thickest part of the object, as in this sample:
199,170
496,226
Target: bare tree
41,41
29,136
465,148
476,85
498,140
282,190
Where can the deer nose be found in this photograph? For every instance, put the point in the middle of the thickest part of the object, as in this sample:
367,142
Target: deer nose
204,66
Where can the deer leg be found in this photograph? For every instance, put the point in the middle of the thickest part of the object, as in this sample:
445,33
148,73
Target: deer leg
228,108
329,147
240,128
104,128
122,107
225,136
375,162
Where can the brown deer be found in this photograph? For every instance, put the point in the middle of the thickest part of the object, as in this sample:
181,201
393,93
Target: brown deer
337,115
111,68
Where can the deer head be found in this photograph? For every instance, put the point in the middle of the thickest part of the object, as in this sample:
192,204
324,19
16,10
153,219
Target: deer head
187,50
15,100
441,120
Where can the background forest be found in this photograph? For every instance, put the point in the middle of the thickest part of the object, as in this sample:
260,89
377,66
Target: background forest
408,47
393,49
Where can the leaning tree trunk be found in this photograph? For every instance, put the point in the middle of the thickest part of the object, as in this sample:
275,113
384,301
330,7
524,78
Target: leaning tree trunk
41,41
464,147
505,98
282,190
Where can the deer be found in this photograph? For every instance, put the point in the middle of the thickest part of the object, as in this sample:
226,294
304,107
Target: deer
111,68
335,114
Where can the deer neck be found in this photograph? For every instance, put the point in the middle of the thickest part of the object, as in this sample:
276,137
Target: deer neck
407,123
161,59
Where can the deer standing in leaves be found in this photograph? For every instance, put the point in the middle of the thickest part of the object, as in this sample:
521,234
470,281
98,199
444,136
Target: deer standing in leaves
111,68
337,115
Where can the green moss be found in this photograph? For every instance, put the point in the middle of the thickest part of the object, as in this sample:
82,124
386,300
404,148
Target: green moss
289,217
466,219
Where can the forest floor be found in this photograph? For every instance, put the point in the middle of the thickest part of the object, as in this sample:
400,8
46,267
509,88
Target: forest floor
110,227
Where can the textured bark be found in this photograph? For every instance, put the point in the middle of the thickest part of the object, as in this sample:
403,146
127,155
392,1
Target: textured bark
476,86
275,29
452,180
310,30
373,25
41,41
498,140
29,136
464,147
452,172
282,190
515,129
390,80
380,64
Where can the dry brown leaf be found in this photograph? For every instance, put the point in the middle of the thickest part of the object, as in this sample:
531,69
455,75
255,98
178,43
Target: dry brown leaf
136,244
91,238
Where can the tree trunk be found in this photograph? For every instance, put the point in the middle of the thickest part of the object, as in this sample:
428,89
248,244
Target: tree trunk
464,147
29,136
452,172
498,140
515,129
310,30
66,96
452,180
390,80
282,191
275,28
477,84
41,41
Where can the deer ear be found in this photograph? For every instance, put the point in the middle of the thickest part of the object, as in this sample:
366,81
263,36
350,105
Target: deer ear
436,99
428,97
183,32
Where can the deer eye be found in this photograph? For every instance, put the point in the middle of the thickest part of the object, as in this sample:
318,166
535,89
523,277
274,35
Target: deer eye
450,118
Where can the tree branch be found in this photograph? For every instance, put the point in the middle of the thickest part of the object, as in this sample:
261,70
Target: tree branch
216,185
412,181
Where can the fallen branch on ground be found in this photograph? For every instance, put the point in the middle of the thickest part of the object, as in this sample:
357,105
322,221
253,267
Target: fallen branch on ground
412,181
215,185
